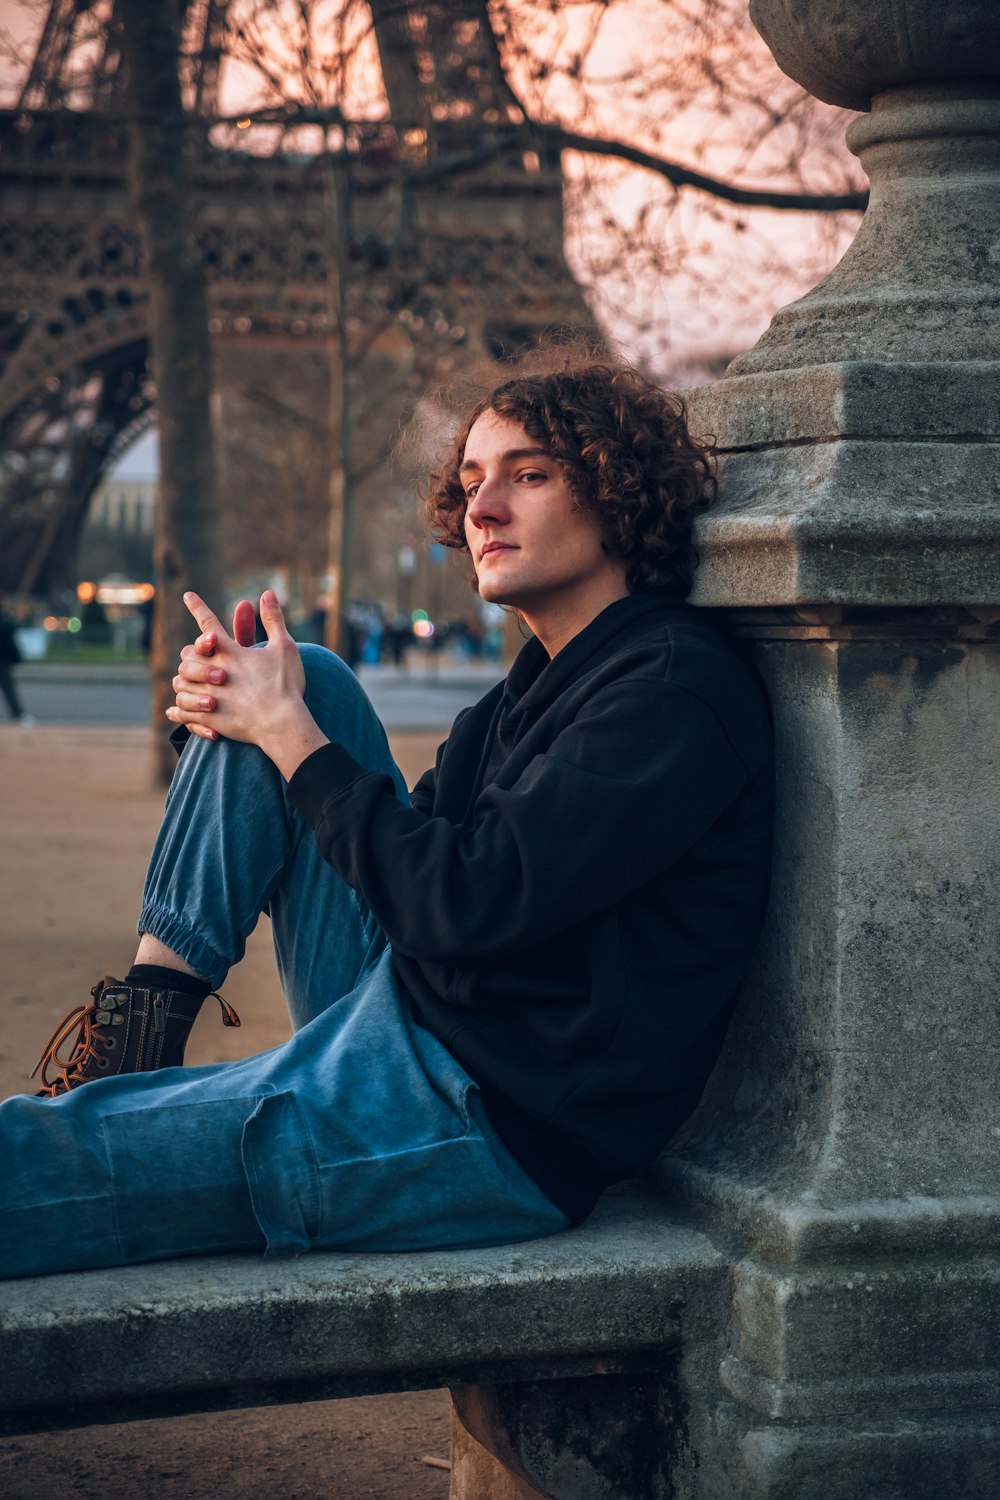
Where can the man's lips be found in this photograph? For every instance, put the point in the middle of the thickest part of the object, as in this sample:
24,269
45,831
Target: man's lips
492,547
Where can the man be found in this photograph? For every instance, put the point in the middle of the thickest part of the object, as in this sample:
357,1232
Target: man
508,991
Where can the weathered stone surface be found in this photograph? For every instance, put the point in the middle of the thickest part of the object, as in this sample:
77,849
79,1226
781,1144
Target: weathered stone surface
231,1331
920,279
850,1139
860,460
930,401
845,53
876,1460
841,1342
865,523
857,1090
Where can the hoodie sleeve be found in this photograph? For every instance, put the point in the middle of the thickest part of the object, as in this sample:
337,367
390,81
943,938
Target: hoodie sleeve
422,795
640,775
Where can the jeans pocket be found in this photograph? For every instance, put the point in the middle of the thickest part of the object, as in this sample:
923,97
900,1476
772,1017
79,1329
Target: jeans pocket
179,1183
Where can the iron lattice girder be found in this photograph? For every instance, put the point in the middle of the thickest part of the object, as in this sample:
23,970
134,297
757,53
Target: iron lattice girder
73,293
77,61
53,455
438,59
72,286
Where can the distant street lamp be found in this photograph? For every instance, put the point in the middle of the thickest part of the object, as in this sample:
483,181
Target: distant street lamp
406,566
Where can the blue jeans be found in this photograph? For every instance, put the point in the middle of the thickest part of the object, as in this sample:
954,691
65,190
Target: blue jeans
362,1132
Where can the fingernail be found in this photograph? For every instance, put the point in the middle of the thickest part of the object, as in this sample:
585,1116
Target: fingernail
216,676
270,598
206,702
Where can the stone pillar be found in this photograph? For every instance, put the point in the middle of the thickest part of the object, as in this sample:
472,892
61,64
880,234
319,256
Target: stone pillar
849,1146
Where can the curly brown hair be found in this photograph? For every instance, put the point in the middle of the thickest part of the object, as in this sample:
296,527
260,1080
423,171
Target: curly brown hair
627,454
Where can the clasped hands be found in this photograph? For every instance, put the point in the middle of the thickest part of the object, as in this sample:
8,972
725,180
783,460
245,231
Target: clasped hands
226,687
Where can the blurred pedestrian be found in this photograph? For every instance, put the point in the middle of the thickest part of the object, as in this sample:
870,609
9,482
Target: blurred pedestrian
399,633
10,657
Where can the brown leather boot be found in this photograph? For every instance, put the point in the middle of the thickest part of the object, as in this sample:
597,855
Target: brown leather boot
127,1028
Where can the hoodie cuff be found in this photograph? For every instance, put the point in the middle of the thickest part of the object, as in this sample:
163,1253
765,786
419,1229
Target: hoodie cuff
323,775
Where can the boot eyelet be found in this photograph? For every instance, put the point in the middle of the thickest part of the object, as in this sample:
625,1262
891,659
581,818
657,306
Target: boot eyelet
110,1042
102,1062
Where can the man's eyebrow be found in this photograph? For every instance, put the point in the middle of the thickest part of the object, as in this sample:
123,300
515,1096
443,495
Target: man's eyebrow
508,457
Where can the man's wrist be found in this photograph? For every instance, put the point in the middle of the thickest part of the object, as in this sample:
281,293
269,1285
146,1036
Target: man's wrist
292,739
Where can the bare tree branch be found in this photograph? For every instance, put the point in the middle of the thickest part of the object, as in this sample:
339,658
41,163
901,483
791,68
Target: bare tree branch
501,140
678,176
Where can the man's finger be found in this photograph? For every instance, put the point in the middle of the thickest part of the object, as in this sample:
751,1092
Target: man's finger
271,615
195,703
244,624
193,670
183,683
204,645
208,623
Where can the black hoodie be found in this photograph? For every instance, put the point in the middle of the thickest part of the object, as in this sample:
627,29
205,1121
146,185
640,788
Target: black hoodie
574,894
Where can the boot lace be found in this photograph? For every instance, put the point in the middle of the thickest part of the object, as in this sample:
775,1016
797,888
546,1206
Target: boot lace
91,1043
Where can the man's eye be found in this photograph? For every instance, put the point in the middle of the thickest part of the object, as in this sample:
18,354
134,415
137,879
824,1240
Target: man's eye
532,474
472,490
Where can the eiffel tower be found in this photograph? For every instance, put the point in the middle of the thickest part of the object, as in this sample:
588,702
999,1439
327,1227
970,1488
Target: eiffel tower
445,269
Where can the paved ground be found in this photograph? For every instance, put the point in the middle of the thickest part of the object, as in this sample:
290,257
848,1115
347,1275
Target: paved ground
76,817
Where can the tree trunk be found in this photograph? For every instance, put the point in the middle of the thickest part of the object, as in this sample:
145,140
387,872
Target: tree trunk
339,498
186,552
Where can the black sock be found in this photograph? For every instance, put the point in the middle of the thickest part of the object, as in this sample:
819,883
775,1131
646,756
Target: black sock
146,975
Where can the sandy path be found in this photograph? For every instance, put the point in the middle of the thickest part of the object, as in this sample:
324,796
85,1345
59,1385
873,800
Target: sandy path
77,817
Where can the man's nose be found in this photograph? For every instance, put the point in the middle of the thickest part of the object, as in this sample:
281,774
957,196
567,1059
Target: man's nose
488,504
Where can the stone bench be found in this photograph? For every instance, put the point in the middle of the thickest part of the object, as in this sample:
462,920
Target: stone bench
617,1297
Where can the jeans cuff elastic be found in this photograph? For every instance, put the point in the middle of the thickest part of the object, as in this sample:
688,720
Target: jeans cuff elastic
178,935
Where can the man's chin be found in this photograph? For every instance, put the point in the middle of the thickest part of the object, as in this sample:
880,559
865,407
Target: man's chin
492,592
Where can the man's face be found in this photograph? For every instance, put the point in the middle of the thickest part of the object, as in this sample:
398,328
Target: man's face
532,544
